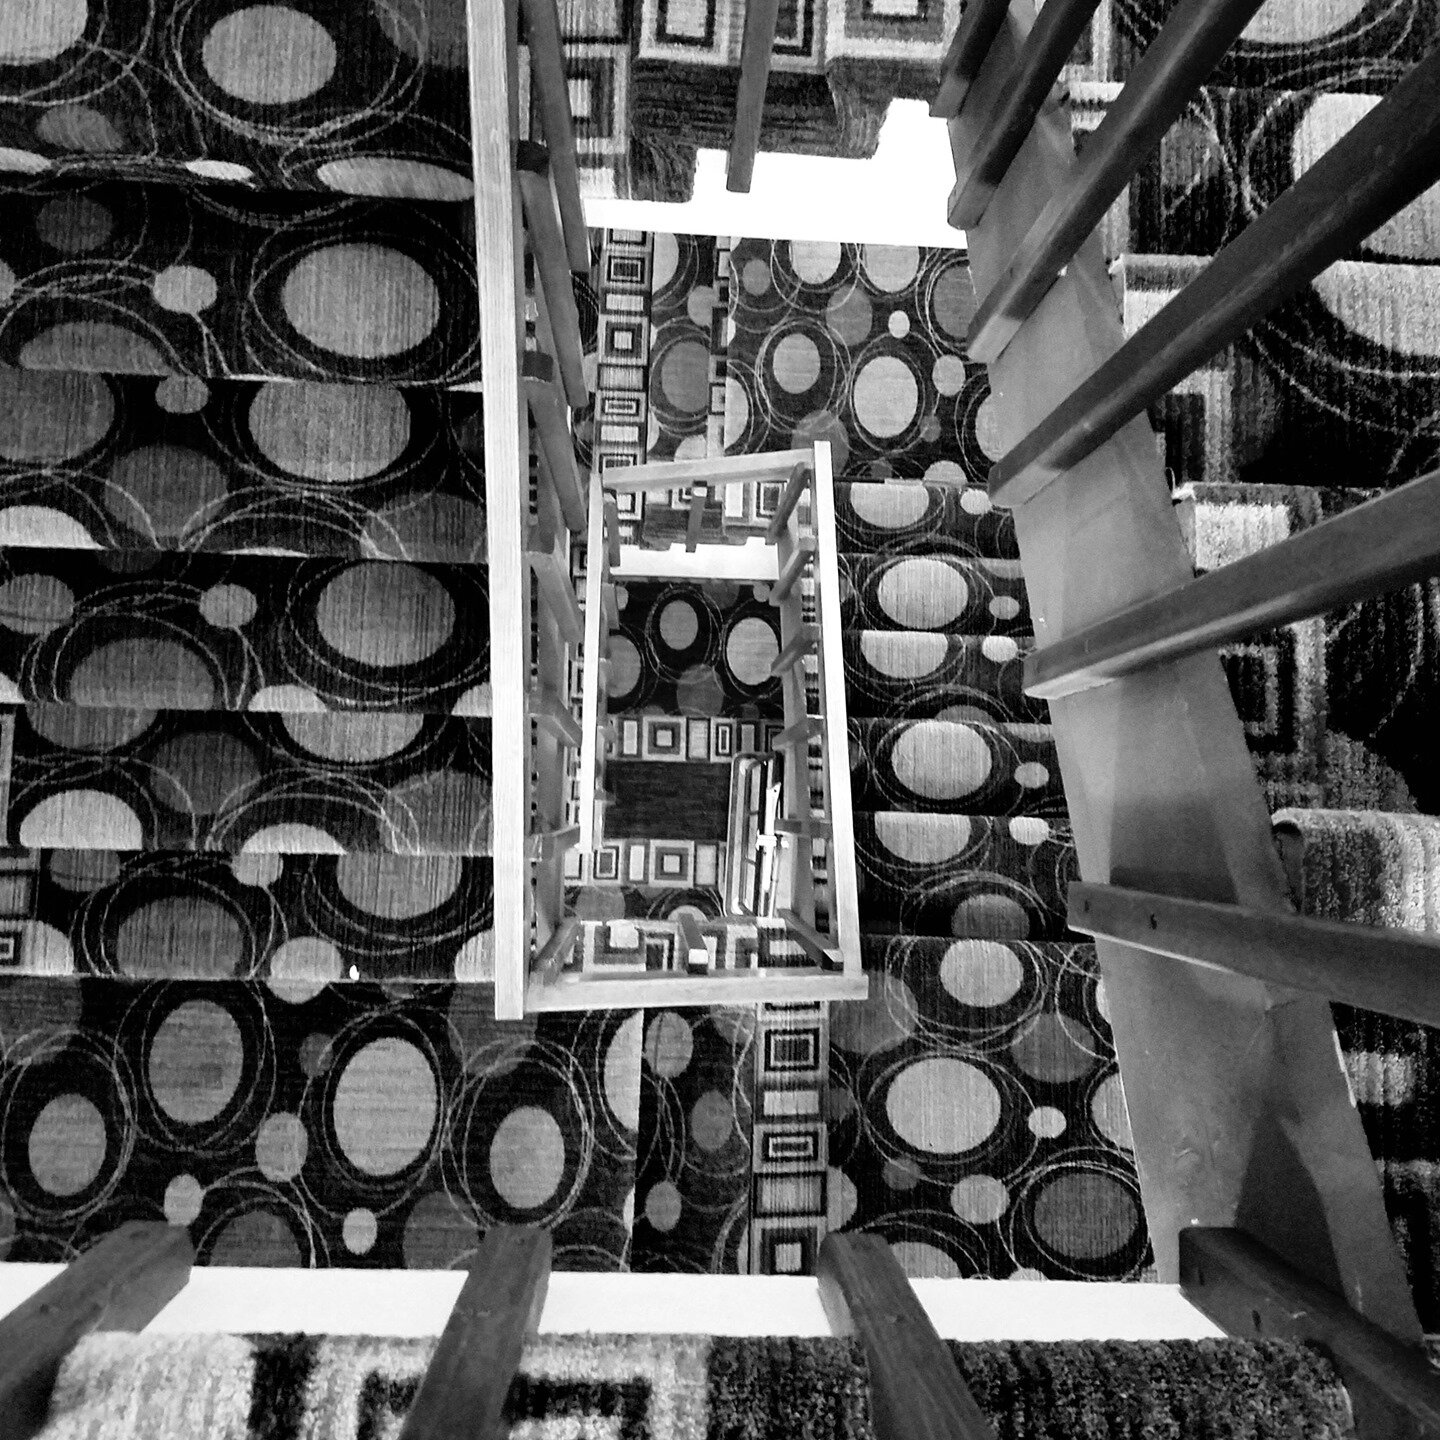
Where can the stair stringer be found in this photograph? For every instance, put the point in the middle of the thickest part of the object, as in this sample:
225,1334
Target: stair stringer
1237,1094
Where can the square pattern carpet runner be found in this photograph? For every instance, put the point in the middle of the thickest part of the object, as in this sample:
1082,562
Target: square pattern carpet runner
689,1387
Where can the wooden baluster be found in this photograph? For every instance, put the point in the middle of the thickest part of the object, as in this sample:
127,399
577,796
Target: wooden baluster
120,1283
802,643
800,478
755,52
547,411
1379,546
699,495
462,1395
692,942
548,709
794,567
979,24
916,1393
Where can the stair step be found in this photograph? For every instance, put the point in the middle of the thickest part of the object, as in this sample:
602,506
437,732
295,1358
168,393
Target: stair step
150,279
126,462
968,876
296,920
394,85
82,777
913,675
949,593
906,514
147,629
953,765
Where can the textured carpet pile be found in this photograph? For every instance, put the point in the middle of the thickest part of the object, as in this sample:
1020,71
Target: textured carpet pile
656,1387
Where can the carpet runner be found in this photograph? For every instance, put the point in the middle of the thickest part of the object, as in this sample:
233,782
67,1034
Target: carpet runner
691,1387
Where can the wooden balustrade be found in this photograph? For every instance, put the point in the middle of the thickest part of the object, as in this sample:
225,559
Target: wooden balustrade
547,245
551,91
979,24
755,50
1385,161
1046,49
1189,46
1251,1292
1391,971
547,411
477,1358
1379,546
120,1283
916,1392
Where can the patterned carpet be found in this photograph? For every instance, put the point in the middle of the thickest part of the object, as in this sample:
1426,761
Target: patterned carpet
689,1387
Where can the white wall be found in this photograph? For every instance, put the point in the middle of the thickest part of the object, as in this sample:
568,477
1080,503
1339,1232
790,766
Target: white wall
896,198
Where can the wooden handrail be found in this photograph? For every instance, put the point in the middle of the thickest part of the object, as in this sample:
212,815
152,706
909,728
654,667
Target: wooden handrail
547,410
800,477
1380,165
969,46
478,1356
547,244
552,92
1378,546
717,471
1189,46
794,568
1392,971
1046,49
916,1391
755,52
120,1283
1249,1291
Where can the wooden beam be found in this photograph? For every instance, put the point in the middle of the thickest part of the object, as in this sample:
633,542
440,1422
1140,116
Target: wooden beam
1392,971
800,476
1046,49
802,732
549,710
697,953
558,595
1175,63
547,410
592,696
803,554
820,949
612,531
755,52
916,1392
120,1283
699,493
968,48
1374,169
1376,547
775,985
552,92
499,251
555,954
801,644
547,244
464,1388
1250,1292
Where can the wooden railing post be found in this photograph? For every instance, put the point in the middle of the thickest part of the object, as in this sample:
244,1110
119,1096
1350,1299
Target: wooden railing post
755,49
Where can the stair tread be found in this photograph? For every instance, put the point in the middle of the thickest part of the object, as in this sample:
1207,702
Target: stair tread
170,280
297,920
160,629
975,766
933,592
133,462
896,514
81,777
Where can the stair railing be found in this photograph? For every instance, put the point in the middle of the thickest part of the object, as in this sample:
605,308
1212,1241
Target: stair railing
1257,1178
529,220
817,905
